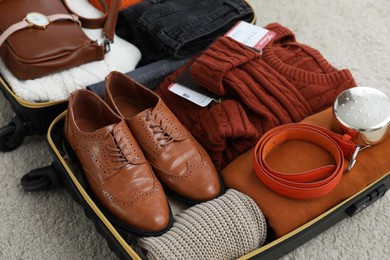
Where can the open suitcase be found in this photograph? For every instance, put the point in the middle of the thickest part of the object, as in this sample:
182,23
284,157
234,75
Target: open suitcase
64,172
61,173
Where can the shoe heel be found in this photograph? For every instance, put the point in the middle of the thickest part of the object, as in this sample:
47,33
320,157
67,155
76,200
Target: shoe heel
69,151
78,168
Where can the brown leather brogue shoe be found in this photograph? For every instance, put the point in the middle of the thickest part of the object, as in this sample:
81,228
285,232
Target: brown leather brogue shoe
178,160
117,172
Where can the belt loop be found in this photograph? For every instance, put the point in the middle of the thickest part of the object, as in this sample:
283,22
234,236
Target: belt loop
235,5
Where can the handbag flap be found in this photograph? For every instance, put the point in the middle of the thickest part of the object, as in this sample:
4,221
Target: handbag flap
59,38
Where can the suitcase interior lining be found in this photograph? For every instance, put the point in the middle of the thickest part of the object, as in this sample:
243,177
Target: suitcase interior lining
55,138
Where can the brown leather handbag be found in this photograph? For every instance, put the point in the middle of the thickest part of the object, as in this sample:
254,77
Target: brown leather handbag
39,37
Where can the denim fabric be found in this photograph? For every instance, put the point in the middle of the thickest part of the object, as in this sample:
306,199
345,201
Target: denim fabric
161,28
150,75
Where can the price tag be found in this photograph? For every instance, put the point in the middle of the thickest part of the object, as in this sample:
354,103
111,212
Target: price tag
243,32
190,94
251,35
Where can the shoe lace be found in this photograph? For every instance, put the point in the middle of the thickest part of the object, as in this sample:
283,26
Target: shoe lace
165,133
119,151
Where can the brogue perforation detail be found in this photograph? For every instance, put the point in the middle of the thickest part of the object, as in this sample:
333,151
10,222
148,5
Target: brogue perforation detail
139,194
173,178
102,165
168,118
135,153
124,151
85,149
202,164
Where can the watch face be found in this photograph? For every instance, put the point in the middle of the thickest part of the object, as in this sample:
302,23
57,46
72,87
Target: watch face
37,20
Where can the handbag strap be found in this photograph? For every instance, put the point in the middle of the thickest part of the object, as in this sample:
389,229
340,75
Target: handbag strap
107,21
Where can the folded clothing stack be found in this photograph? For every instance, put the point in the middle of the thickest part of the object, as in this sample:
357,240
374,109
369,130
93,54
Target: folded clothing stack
178,29
285,84
227,227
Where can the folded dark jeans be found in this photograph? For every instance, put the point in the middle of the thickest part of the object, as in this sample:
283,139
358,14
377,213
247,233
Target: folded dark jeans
150,75
162,28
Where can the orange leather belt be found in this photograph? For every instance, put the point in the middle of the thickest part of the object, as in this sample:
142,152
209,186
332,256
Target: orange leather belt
310,184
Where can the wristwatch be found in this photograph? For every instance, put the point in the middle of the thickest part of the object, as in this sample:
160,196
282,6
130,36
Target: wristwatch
38,21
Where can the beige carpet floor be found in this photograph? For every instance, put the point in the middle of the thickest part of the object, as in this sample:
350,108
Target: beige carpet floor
350,34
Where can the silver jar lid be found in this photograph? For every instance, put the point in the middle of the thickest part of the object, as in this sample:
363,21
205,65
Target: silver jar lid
365,110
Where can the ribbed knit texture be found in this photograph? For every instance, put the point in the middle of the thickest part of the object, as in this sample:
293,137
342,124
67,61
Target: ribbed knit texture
304,67
285,84
224,228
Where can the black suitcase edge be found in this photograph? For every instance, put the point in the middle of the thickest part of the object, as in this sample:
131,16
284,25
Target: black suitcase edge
347,208
30,118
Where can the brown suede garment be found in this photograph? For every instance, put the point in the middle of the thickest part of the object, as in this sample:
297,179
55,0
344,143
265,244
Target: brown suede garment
285,214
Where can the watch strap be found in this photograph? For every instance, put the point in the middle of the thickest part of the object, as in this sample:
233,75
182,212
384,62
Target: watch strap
10,30
56,17
24,24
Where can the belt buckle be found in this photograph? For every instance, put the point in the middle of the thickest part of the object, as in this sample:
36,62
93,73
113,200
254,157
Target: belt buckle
362,112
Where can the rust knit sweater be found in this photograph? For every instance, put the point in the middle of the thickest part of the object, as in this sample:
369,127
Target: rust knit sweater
285,84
